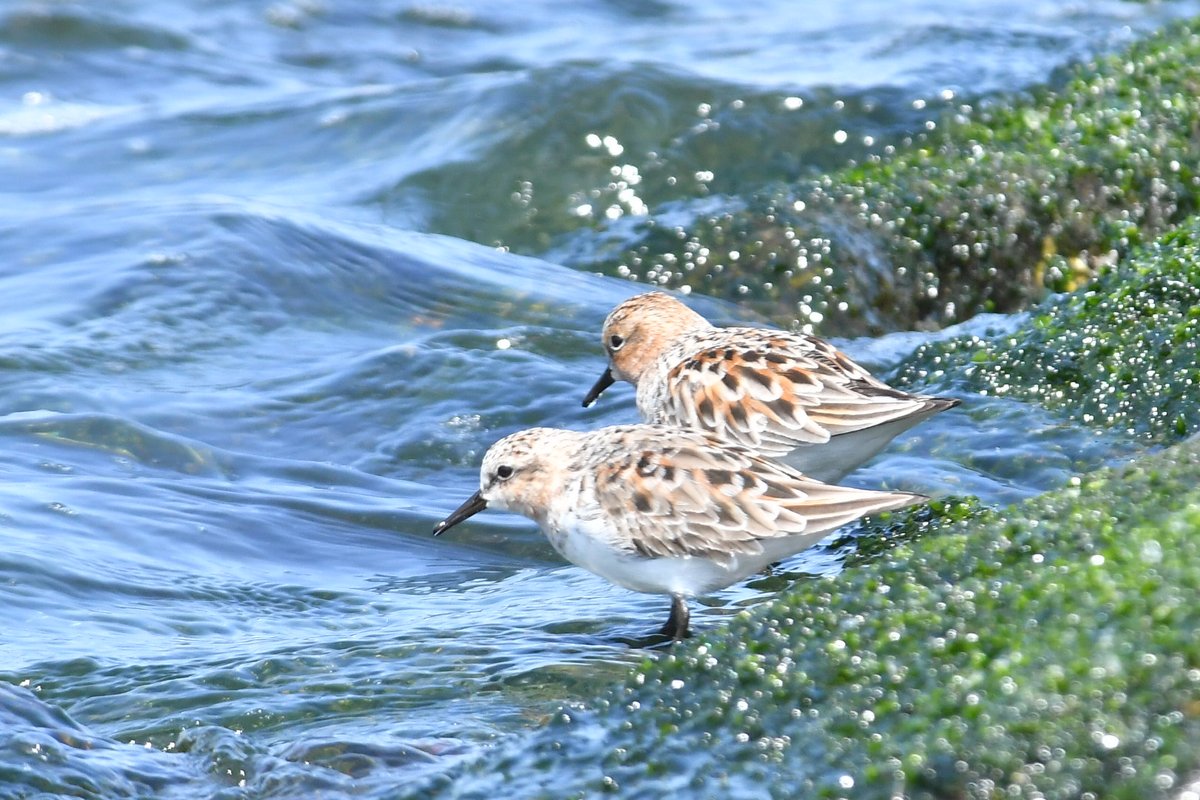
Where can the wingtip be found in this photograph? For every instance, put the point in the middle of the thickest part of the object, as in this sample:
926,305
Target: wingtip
906,500
896,501
944,403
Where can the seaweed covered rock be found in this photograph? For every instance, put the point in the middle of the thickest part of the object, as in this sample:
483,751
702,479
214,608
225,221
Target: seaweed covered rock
1123,353
986,211
1050,651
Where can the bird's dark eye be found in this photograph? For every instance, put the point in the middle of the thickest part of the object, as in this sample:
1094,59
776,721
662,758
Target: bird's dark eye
615,342
504,472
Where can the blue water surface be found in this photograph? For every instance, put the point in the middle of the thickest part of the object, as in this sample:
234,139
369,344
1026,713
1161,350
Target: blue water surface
270,286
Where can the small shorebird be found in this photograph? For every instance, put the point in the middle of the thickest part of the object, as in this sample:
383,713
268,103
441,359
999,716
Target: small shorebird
661,509
784,395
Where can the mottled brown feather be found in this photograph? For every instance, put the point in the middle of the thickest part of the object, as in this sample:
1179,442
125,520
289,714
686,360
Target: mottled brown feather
810,392
684,494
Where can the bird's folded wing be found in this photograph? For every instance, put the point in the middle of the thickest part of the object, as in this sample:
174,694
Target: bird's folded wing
774,391
681,494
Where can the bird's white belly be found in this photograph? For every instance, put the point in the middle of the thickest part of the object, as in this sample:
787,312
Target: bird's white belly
685,575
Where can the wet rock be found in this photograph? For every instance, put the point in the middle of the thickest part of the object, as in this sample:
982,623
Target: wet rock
1122,354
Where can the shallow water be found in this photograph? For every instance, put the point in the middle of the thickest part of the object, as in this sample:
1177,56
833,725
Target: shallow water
254,338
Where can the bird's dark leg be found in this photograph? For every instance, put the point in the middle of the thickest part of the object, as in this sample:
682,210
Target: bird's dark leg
677,623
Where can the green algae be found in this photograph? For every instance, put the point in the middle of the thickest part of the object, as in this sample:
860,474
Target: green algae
1122,354
997,203
1049,651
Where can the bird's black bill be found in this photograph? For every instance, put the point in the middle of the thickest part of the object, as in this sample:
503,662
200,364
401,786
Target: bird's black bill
606,380
475,503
